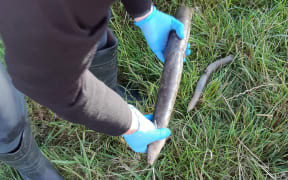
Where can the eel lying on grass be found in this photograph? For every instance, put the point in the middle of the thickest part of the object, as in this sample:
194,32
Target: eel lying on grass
205,77
170,80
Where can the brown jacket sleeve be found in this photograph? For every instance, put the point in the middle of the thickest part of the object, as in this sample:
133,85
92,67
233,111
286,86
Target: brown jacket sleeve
48,52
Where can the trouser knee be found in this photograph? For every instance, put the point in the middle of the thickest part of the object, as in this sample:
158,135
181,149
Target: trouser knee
13,114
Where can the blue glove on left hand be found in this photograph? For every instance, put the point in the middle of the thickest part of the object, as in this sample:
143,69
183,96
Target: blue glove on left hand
146,132
156,28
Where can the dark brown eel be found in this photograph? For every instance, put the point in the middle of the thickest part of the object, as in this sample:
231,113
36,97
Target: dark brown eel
205,77
170,80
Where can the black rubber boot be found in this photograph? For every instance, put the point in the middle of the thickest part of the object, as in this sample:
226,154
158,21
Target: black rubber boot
104,63
17,145
104,66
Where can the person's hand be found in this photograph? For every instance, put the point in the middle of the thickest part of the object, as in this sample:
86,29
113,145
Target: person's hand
156,28
146,132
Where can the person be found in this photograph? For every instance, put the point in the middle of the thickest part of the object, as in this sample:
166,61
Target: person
63,55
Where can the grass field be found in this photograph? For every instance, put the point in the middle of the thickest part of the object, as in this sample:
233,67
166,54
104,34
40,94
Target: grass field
238,130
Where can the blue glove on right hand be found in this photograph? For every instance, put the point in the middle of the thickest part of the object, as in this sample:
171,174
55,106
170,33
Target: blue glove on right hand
146,133
156,28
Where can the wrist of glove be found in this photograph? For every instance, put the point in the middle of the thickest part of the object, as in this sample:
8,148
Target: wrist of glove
146,132
156,28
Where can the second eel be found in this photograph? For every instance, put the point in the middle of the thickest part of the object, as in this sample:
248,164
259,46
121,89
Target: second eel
204,78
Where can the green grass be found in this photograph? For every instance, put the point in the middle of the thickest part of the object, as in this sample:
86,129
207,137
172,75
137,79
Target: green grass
239,129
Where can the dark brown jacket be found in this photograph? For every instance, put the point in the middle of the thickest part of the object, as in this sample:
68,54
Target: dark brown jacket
48,49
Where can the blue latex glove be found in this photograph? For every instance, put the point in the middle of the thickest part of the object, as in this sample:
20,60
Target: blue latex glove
146,133
156,28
